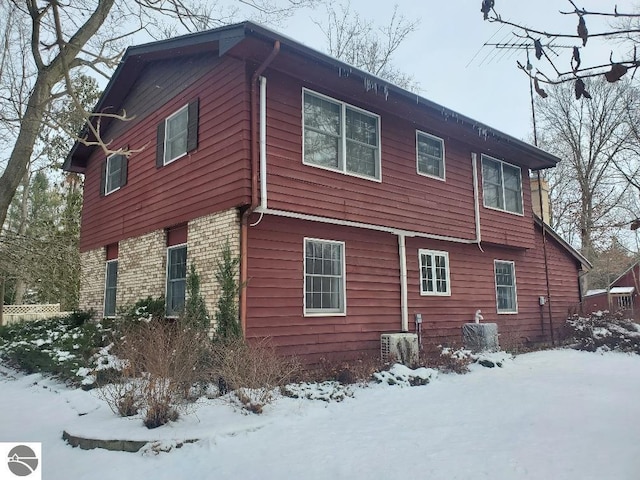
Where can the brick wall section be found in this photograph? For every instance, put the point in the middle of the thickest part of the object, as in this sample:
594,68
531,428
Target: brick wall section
205,241
92,265
141,268
142,263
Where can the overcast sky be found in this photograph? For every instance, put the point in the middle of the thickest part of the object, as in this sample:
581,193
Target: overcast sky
446,55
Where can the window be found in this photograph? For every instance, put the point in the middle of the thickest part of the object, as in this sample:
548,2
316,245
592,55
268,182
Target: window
177,134
430,151
434,273
110,287
340,137
176,279
625,302
114,174
506,298
501,184
324,279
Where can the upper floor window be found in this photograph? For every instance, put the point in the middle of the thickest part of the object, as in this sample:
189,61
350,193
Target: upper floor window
324,280
177,134
430,152
506,297
114,173
501,185
340,137
434,273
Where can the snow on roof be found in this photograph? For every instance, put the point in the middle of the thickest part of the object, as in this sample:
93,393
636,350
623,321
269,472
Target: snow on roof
613,291
595,292
620,290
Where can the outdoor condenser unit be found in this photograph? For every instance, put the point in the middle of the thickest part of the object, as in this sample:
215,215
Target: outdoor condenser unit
399,347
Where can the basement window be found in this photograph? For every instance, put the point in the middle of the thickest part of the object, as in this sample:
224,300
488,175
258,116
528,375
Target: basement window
340,137
110,288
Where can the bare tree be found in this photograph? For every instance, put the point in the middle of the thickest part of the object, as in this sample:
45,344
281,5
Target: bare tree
588,190
45,41
356,41
540,40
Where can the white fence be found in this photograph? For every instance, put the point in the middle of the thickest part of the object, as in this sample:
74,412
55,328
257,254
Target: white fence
29,313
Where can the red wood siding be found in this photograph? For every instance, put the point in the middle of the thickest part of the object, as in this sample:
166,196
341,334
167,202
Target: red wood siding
214,177
275,290
404,199
473,288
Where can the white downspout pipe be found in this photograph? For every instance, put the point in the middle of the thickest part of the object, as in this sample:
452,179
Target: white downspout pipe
263,142
476,198
404,307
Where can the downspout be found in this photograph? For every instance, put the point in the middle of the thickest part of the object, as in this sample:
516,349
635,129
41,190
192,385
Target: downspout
404,307
476,199
244,221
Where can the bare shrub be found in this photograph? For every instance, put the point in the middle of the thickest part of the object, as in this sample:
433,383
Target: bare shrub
346,372
605,330
164,359
122,397
252,371
446,359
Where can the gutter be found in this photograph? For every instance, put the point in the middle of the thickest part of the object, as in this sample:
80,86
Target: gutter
244,221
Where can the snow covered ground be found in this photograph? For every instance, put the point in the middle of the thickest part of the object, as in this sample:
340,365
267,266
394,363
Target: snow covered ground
548,415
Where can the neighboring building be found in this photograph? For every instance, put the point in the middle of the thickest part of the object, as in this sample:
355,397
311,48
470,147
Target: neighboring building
620,296
353,204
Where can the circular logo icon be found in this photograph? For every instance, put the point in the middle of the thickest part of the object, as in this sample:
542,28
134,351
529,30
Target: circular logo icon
22,461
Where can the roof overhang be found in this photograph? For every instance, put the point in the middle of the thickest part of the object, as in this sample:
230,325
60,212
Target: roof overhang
228,40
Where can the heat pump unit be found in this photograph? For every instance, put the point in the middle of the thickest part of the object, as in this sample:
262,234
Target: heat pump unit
399,347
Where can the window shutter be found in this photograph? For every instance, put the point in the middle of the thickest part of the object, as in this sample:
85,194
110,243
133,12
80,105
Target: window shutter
103,178
192,126
124,164
160,145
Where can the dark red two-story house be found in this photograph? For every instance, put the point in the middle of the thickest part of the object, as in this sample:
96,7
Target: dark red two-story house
355,207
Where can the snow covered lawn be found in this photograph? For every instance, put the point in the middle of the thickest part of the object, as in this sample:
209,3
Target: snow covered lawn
548,415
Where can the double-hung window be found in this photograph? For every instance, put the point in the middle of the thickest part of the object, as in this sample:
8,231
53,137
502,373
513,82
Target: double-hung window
506,295
434,273
176,279
340,137
430,155
177,134
110,288
501,185
324,277
114,173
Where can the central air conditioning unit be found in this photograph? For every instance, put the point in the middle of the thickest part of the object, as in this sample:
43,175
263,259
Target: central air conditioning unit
399,347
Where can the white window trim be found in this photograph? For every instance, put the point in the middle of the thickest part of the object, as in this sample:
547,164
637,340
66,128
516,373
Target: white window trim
435,293
106,176
104,303
166,125
315,313
166,275
343,138
515,287
444,163
502,162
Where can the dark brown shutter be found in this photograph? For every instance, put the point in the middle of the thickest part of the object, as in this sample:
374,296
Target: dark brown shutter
103,178
160,145
124,167
192,125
